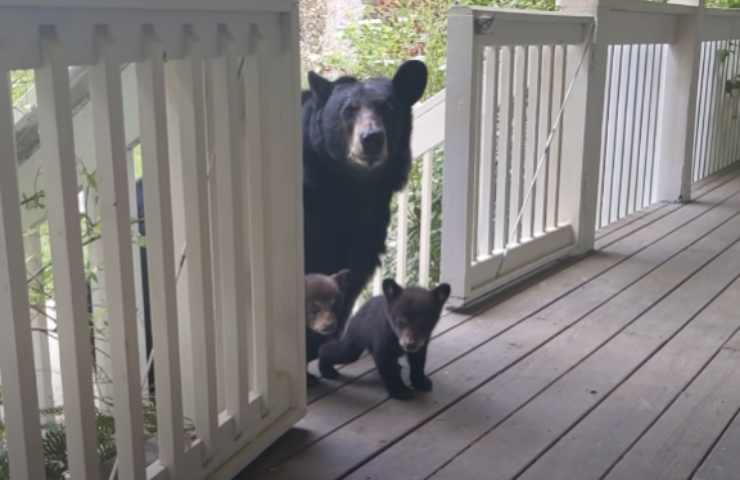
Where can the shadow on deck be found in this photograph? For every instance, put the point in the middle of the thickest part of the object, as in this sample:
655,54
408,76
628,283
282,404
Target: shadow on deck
621,365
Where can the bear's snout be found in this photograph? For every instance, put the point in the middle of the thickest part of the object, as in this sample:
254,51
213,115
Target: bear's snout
373,141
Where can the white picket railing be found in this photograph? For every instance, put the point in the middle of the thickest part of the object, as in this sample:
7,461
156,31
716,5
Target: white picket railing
651,112
214,92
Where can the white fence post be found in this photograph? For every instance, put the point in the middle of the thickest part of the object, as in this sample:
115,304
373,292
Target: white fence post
459,172
678,107
583,121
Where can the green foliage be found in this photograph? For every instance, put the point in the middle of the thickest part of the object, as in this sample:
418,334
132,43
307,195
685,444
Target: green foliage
723,3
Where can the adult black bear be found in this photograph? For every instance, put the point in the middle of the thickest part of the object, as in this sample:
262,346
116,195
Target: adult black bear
356,154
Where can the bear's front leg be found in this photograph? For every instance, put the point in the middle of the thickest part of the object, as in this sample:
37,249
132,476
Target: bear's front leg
417,363
390,372
335,353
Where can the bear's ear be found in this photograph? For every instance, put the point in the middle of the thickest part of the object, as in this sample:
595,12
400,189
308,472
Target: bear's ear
391,290
320,87
441,293
410,81
342,278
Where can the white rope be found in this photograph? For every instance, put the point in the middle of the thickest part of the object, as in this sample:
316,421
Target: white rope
545,152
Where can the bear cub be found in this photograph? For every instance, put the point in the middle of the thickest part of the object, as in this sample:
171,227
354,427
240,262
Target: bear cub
390,325
324,300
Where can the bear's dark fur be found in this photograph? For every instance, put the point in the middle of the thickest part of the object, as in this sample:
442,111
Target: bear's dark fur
356,154
398,322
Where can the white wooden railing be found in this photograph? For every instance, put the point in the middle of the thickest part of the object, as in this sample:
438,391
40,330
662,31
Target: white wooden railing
650,113
216,100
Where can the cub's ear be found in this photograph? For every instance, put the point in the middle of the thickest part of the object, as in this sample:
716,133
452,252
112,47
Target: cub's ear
342,278
441,293
320,87
391,289
410,81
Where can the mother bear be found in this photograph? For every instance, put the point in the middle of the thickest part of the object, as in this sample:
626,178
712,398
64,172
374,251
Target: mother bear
356,155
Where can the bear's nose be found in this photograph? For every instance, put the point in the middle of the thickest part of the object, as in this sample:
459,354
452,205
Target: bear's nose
372,141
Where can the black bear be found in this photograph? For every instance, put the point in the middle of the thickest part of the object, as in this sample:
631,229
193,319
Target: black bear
324,301
356,154
397,322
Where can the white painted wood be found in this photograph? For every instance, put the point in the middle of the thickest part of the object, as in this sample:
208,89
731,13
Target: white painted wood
519,157
402,221
234,289
195,5
582,133
505,149
531,146
161,257
20,400
425,228
254,228
191,120
459,156
110,150
561,58
486,188
678,105
55,122
429,124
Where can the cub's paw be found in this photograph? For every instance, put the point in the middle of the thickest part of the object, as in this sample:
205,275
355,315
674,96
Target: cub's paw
402,393
328,371
422,383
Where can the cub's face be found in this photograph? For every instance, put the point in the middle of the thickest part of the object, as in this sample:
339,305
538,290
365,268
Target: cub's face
365,123
414,312
324,299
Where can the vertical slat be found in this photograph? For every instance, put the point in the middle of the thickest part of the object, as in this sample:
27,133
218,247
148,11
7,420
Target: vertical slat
736,113
60,170
234,287
721,107
699,158
519,140
637,105
604,135
425,229
505,150
20,401
712,151
191,119
255,227
706,106
494,146
562,60
558,89
110,152
626,135
402,216
161,256
617,140
656,118
732,126
40,325
280,110
641,161
649,160
476,133
548,57
486,181
532,133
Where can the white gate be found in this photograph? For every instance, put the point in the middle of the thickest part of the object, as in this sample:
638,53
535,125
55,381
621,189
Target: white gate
216,101
508,76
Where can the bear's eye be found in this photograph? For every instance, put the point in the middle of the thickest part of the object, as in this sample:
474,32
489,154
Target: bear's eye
350,109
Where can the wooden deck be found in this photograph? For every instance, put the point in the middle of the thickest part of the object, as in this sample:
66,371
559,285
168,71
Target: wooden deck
623,365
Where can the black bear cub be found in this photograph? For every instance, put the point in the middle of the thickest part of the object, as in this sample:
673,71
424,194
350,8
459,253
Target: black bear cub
396,323
324,301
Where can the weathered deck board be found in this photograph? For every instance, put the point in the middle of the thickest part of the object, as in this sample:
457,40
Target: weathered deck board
674,446
723,462
520,384
498,364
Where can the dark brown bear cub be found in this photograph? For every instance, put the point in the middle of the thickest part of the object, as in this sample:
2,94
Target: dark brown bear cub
398,322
